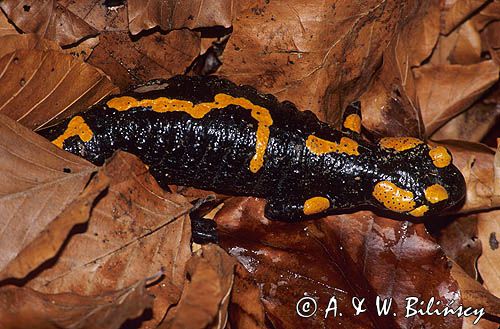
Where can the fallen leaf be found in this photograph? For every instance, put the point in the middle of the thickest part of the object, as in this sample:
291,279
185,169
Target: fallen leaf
203,301
471,125
488,264
487,14
54,235
135,230
154,56
346,256
246,309
454,12
474,294
459,240
491,40
48,19
26,308
462,46
5,27
98,15
319,55
13,42
38,182
178,15
390,104
444,91
476,162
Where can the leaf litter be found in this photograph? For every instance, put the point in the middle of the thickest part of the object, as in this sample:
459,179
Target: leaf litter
404,60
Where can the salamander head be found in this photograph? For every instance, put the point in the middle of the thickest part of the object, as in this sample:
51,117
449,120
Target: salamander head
416,179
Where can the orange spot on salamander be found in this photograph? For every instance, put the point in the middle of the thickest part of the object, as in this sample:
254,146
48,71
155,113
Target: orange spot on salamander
321,146
316,205
436,193
198,111
353,123
419,211
76,127
393,197
399,143
440,156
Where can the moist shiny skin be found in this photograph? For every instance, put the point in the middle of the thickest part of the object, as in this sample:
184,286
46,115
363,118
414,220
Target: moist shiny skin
209,133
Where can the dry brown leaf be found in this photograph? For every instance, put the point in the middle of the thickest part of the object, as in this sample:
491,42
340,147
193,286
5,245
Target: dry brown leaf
176,15
390,106
22,308
54,235
5,27
203,301
488,226
84,49
320,55
474,294
15,42
454,12
246,309
460,242
444,91
98,15
475,161
489,13
37,182
153,56
462,46
471,125
48,19
41,87
134,231
491,40
346,256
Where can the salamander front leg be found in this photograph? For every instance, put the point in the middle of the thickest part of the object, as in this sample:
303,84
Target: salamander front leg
296,209
351,120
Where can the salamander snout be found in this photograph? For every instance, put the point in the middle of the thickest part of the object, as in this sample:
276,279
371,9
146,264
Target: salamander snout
418,180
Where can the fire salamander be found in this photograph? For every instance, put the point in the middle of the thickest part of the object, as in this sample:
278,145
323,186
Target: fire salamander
209,133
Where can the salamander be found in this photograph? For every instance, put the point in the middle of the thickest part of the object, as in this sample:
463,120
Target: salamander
210,133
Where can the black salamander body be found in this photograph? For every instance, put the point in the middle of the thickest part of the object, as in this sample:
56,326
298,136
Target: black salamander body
209,133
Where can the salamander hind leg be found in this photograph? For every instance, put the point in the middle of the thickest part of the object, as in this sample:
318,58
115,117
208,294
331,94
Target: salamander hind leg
296,208
351,120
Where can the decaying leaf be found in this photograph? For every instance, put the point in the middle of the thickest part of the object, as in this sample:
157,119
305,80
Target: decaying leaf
22,308
488,226
176,15
203,301
48,19
38,182
134,231
41,87
345,256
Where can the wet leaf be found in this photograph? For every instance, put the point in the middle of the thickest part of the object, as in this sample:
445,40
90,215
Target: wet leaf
134,231
177,15
203,301
246,309
42,87
38,182
48,19
346,256
27,308
446,90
